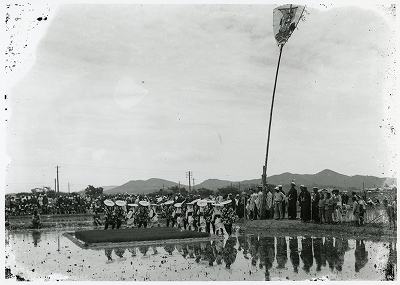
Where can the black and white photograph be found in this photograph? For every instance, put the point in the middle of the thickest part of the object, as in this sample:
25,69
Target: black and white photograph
157,141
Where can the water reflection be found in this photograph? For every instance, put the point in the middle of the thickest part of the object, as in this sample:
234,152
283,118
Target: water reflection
36,235
391,263
294,253
361,255
108,253
306,253
260,250
281,252
254,257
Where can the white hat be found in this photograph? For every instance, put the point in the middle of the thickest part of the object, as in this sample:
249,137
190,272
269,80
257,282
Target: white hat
144,203
178,205
276,188
201,203
133,205
109,203
293,183
120,203
168,202
280,186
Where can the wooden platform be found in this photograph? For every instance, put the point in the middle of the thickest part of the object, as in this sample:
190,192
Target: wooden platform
135,236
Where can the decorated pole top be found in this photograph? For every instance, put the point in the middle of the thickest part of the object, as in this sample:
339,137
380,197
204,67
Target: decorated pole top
285,20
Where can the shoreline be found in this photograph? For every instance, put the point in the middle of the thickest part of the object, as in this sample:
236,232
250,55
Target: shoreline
373,231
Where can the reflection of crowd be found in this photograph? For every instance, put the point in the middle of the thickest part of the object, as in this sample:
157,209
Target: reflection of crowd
209,253
264,251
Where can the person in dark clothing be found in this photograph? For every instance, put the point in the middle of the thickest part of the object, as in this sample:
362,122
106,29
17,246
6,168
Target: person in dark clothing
292,201
305,204
314,205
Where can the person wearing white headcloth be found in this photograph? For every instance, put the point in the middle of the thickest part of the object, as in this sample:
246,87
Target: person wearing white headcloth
219,227
178,215
202,221
110,214
154,216
189,216
130,222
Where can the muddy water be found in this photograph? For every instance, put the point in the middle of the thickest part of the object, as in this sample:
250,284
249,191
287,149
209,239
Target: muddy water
48,255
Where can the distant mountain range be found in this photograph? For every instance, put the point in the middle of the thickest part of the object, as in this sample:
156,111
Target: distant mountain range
324,179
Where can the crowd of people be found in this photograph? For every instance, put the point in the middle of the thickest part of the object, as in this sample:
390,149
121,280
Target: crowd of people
319,206
215,212
191,213
64,204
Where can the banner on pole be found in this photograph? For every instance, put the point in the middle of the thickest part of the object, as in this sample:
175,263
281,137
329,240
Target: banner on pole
285,20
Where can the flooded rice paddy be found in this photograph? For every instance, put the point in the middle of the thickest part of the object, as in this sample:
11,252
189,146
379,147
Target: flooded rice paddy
48,255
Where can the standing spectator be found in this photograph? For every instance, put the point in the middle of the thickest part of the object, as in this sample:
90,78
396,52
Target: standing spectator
240,209
305,204
252,206
391,211
283,202
337,206
270,204
278,198
321,207
314,205
363,208
292,201
356,211
329,208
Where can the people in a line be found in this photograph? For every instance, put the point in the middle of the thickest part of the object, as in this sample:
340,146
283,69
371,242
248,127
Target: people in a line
314,205
305,204
292,201
279,197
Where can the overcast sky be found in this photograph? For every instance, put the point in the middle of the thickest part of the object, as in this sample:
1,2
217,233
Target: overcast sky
115,93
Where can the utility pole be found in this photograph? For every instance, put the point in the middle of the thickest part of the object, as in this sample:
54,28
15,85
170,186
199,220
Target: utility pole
239,186
188,176
55,186
193,183
68,188
58,184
